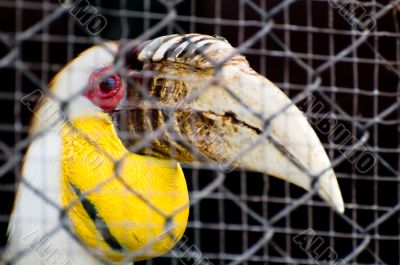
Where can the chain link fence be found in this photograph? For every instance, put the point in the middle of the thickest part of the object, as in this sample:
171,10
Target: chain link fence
339,60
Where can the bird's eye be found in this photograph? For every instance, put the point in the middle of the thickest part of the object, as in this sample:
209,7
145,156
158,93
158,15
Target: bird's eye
105,90
108,85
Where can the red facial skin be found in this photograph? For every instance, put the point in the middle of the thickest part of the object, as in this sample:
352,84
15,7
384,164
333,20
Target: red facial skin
104,96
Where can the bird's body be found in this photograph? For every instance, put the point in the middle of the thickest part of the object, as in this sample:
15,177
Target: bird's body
94,200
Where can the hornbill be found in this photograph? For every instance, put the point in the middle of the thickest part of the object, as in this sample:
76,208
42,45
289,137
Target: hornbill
101,179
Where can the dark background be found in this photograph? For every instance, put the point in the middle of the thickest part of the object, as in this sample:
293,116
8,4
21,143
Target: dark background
356,89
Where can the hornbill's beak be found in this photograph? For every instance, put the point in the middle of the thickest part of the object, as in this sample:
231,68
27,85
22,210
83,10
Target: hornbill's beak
194,99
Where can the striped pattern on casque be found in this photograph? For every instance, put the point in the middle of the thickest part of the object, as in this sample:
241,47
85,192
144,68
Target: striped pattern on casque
195,50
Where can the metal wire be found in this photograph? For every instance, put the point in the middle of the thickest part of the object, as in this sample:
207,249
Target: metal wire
315,51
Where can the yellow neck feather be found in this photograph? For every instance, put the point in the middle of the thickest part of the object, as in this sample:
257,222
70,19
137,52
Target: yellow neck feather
119,202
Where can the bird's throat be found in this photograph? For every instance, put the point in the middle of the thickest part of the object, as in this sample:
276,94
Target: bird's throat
122,205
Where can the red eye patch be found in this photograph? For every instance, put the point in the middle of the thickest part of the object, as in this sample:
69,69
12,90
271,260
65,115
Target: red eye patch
105,91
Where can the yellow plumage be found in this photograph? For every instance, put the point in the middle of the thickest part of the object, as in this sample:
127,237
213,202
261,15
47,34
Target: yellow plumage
91,141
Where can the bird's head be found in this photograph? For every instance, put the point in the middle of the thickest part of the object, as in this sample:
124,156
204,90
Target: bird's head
114,76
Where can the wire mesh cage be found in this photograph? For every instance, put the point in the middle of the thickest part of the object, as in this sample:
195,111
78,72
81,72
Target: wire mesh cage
338,60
